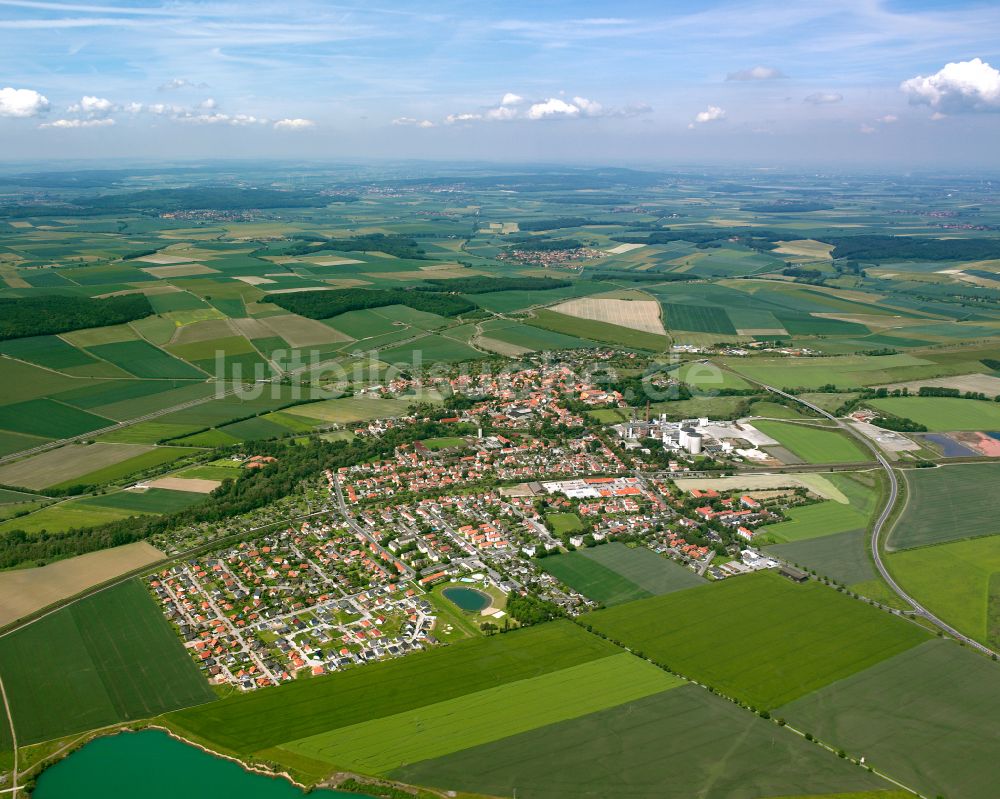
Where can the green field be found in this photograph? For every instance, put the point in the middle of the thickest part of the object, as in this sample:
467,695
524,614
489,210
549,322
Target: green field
44,417
643,567
49,351
592,579
564,522
152,500
697,318
310,707
814,521
848,371
841,556
109,474
676,744
108,658
63,516
814,444
943,413
954,580
759,637
142,359
445,442
390,742
926,716
947,504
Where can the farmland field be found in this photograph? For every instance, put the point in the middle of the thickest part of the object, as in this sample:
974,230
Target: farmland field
814,521
954,580
63,516
697,318
23,591
592,579
641,315
305,708
651,572
433,730
769,641
814,444
841,556
44,417
676,744
927,716
65,463
109,658
943,413
947,504
596,331
144,360
153,500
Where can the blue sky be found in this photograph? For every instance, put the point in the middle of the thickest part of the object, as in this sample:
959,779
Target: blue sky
852,81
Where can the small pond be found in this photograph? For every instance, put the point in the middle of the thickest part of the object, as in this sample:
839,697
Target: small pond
468,599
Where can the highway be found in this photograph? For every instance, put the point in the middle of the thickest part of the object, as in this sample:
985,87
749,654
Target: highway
876,543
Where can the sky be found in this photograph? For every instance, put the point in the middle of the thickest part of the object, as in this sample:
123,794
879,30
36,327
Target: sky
903,84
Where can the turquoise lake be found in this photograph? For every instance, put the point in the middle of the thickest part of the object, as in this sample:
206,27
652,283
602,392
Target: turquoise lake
152,765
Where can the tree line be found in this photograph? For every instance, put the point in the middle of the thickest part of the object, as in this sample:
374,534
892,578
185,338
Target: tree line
52,313
324,304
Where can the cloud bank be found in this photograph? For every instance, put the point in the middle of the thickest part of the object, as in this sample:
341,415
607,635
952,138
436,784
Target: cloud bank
958,87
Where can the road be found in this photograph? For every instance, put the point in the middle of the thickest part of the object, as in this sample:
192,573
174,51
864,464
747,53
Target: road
364,532
876,544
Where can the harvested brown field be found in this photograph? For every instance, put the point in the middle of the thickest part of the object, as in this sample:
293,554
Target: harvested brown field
251,328
202,331
66,463
25,591
806,248
194,484
301,332
179,270
635,314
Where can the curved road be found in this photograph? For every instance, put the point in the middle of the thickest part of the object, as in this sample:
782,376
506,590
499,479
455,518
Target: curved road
876,550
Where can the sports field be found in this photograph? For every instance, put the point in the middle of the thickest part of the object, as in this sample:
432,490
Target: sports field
947,504
954,580
815,444
108,658
814,521
564,522
759,637
676,744
943,413
926,716
310,707
389,742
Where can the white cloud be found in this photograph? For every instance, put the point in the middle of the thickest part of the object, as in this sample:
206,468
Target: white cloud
208,104
294,124
888,119
553,107
451,119
511,99
956,87
22,103
865,128
65,124
234,120
756,73
589,108
823,98
417,123
133,108
92,107
937,116
711,114
181,83
502,113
